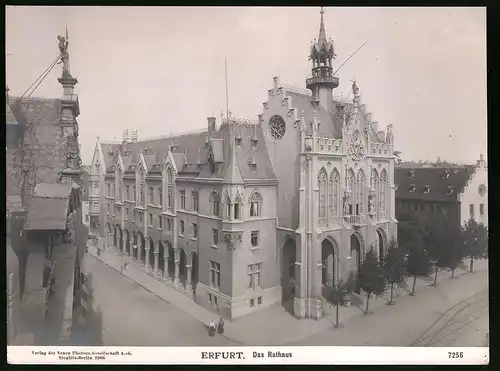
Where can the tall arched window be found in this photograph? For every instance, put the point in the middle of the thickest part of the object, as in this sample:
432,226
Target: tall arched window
170,189
351,187
215,201
255,204
360,197
322,177
333,193
228,206
119,180
383,194
374,186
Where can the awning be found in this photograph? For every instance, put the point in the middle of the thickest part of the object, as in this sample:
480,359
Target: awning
47,214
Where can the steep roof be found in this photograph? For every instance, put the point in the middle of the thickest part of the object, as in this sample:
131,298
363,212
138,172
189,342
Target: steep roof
45,149
441,182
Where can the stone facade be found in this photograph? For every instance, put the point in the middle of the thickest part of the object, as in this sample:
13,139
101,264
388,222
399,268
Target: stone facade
251,214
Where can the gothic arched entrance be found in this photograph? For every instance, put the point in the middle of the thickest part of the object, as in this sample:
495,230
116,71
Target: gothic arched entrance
329,259
120,238
182,267
142,248
127,242
170,262
381,245
355,257
135,246
194,271
151,256
161,258
288,258
114,236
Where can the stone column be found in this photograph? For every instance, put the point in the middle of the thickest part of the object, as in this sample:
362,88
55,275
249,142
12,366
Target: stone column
124,244
177,261
189,287
147,255
156,261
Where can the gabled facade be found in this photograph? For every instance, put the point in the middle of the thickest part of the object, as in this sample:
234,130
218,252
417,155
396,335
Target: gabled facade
250,214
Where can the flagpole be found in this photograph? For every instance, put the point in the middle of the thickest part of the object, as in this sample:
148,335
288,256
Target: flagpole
227,99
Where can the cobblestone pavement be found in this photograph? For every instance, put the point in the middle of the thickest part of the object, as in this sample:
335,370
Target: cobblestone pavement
274,326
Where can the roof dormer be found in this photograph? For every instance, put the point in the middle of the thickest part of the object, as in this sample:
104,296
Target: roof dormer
411,174
412,188
427,188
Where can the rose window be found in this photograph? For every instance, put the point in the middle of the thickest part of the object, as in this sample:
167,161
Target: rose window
277,127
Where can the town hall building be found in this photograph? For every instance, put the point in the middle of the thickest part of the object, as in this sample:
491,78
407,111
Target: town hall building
244,215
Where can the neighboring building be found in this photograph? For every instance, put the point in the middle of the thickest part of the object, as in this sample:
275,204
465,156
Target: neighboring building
456,194
251,214
103,152
44,226
85,195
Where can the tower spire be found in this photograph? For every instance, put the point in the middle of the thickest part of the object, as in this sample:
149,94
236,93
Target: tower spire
322,82
322,32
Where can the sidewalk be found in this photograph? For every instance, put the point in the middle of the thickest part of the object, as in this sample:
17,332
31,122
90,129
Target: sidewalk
270,326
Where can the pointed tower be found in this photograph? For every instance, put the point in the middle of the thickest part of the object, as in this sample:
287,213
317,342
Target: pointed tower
70,109
322,81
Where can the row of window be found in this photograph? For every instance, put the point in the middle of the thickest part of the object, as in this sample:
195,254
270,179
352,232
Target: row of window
253,276
472,209
329,193
254,235
232,210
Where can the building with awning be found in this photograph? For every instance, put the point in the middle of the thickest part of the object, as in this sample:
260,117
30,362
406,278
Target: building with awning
50,206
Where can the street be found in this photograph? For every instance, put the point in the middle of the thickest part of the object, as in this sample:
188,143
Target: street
133,316
455,313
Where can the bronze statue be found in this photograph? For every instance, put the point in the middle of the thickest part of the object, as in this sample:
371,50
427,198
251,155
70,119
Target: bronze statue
64,54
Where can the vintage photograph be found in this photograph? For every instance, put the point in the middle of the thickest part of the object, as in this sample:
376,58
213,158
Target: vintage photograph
246,176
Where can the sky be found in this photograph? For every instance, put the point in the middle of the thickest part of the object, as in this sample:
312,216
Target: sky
161,70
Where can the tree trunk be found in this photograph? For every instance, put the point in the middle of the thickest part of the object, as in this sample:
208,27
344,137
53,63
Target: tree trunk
414,282
392,292
367,302
436,276
337,317
471,264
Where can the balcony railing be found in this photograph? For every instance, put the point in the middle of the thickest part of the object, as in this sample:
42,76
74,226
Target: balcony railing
329,145
355,220
330,80
382,149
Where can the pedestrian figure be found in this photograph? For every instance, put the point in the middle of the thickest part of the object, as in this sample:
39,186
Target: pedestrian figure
98,251
220,327
398,289
211,328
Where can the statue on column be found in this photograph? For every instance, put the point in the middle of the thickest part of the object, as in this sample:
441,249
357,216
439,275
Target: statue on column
64,54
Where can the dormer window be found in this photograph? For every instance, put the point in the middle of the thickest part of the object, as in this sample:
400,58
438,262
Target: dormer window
411,174
427,188
412,188
450,191
446,174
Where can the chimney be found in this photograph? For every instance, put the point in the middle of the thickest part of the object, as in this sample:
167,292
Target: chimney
134,136
211,124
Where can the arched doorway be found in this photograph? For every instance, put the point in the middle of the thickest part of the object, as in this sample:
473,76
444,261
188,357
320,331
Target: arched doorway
182,268
120,238
151,253
170,262
135,246
194,271
142,249
329,261
127,242
109,235
381,246
355,257
288,258
161,258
